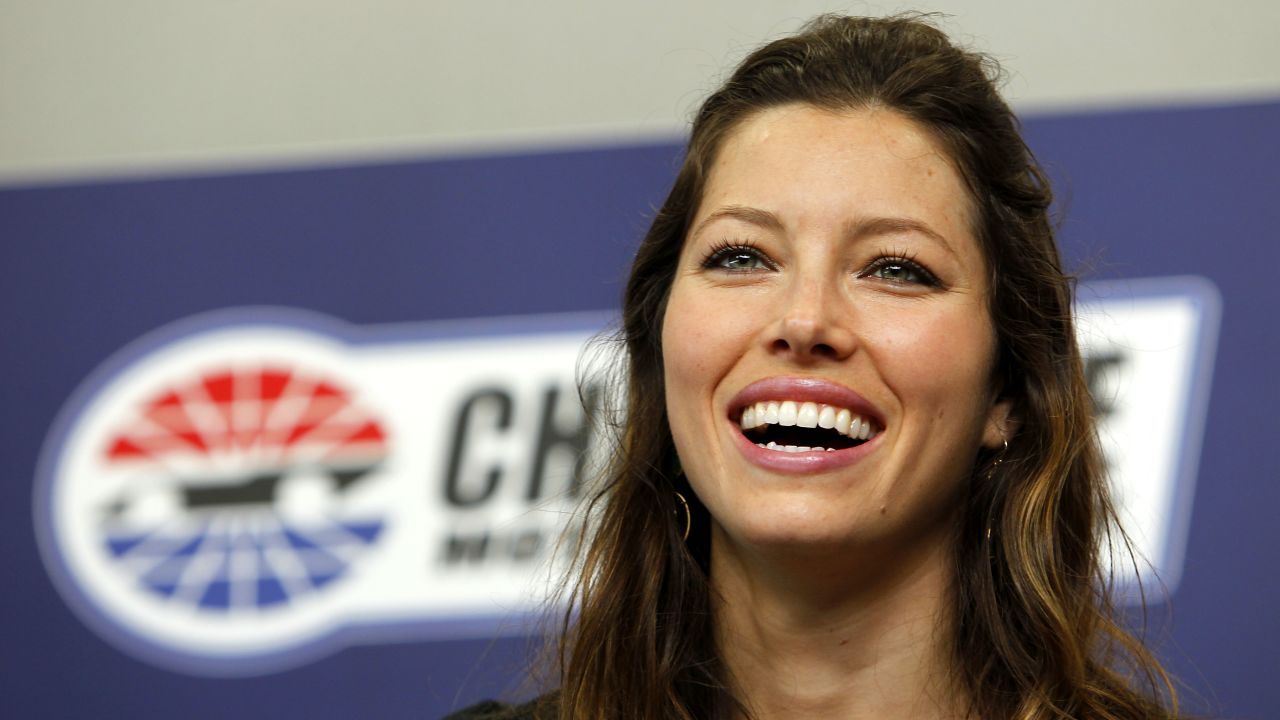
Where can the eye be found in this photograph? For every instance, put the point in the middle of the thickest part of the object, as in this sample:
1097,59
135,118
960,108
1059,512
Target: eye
737,257
900,270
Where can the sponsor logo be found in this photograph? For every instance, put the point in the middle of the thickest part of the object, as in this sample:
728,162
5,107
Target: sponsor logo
1148,347
226,489
246,490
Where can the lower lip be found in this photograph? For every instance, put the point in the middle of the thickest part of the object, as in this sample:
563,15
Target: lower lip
814,461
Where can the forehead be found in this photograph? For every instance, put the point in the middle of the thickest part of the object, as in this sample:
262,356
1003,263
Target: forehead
810,165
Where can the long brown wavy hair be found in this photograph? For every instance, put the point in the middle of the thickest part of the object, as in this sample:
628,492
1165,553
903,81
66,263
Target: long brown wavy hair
1032,631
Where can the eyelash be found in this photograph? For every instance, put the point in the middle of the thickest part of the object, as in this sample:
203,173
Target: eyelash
726,249
903,260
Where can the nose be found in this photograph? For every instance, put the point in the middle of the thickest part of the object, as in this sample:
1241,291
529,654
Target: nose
812,324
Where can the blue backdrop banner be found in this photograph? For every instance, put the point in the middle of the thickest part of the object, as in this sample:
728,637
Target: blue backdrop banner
275,456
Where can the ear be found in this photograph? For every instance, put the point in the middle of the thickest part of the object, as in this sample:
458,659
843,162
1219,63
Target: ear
1000,425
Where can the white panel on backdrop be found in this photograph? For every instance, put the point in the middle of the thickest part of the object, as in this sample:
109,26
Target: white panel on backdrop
1149,348
248,489
245,489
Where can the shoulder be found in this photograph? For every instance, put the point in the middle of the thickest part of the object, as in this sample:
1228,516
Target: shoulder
541,708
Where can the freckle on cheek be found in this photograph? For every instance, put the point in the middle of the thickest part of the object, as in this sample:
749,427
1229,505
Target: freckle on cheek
883,509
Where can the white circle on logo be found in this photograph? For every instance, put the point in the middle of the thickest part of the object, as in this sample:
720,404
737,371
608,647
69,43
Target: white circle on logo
204,500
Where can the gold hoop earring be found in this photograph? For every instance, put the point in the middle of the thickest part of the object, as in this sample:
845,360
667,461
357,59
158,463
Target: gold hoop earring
999,459
992,471
688,517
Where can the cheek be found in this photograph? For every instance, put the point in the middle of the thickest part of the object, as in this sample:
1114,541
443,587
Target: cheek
942,360
684,364
681,340
700,334
684,359
703,338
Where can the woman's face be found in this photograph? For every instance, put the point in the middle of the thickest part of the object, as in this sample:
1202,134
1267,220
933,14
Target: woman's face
831,297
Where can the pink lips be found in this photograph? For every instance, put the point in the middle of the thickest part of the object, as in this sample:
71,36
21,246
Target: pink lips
802,390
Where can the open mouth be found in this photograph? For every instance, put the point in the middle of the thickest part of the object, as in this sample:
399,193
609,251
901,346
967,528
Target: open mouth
789,426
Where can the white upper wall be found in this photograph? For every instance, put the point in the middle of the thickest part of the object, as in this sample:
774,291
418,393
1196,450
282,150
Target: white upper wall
135,86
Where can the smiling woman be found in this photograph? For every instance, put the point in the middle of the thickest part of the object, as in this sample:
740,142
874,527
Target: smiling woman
835,273
851,357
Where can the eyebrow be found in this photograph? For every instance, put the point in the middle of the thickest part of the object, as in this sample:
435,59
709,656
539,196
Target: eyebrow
889,225
864,227
752,216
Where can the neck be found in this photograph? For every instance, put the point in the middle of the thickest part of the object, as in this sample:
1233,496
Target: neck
813,634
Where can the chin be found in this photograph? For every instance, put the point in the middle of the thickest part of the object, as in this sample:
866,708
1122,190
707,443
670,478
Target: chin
797,523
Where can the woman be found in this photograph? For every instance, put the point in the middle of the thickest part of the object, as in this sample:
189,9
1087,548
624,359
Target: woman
851,354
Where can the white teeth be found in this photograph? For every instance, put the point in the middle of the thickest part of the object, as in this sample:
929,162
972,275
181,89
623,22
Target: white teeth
787,412
807,415
842,421
793,448
771,411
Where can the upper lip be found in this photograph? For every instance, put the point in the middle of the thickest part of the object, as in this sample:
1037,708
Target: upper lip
804,389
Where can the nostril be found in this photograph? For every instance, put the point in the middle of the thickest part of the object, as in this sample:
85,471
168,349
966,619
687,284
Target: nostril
817,349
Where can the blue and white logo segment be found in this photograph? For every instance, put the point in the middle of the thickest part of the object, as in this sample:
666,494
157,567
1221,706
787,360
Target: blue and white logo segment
1149,347
246,490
